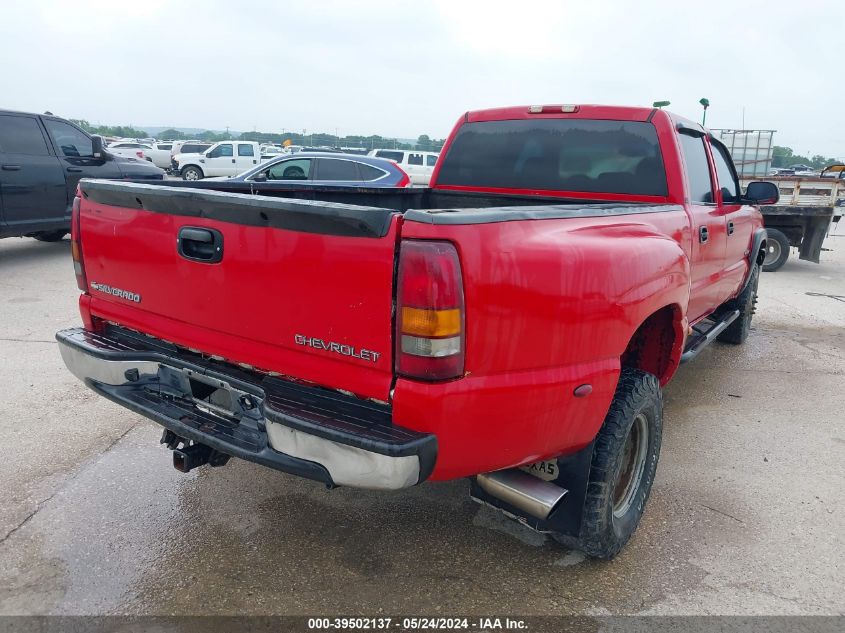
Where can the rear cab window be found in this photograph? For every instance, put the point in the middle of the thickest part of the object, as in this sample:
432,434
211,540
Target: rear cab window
583,155
396,157
245,150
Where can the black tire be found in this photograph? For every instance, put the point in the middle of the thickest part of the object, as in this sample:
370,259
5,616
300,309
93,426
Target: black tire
50,236
610,515
195,173
777,250
746,303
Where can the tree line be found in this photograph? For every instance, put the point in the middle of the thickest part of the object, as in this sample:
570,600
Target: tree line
321,139
785,157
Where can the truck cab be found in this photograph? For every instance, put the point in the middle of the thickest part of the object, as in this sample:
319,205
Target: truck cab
42,159
226,158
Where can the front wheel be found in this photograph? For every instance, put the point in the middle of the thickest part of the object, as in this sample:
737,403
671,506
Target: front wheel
777,250
192,173
623,465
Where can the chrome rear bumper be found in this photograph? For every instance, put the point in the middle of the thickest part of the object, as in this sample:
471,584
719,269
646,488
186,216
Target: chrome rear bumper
303,430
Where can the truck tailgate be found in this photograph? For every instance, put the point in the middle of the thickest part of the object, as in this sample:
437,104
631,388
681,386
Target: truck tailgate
304,289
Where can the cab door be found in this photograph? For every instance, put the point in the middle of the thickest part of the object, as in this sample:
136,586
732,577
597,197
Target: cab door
738,219
32,182
708,226
220,161
246,157
415,167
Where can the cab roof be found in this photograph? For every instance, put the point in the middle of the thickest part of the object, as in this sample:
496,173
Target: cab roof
581,111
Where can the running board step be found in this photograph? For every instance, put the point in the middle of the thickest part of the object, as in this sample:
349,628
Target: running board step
704,339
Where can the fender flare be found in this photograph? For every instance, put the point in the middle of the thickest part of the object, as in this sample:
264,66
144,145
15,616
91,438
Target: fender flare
756,255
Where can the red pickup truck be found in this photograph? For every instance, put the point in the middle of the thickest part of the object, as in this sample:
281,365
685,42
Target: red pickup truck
513,323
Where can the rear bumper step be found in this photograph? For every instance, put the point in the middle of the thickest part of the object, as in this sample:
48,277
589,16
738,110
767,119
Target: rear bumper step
299,429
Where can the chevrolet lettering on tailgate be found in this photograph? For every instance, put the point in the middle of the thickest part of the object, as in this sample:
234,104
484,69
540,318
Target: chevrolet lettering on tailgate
336,348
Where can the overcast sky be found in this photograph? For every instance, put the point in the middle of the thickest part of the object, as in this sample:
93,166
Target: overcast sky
402,69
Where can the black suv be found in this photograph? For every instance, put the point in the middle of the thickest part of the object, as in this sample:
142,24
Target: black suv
42,157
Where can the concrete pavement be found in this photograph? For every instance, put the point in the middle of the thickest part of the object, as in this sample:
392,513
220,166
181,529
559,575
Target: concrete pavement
747,515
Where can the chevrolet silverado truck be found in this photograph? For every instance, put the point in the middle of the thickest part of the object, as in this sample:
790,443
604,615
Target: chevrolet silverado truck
513,324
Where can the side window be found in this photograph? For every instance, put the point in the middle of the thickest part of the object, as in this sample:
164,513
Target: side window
70,141
698,169
330,169
430,160
245,150
368,172
299,169
164,146
224,150
396,157
726,175
415,159
21,135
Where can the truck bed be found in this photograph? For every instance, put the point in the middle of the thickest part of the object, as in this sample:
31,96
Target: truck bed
350,211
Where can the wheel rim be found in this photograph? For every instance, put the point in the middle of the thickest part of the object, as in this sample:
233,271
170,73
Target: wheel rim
633,466
190,175
773,251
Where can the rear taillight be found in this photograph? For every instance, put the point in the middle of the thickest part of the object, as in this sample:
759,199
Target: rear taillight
76,244
430,311
139,154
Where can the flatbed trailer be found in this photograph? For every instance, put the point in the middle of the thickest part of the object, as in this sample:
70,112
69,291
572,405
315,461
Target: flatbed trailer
802,218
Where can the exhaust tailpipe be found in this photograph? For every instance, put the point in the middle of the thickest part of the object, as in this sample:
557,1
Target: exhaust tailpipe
525,492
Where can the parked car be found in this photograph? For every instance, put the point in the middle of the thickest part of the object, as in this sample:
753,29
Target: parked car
189,148
227,158
319,168
271,151
514,323
159,153
418,165
129,149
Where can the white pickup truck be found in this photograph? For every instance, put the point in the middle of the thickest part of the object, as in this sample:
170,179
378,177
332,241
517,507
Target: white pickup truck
226,158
